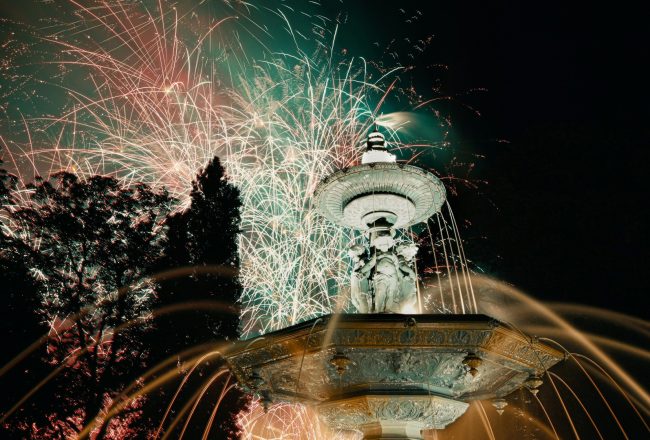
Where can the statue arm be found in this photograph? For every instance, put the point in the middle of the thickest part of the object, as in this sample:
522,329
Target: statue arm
407,269
366,268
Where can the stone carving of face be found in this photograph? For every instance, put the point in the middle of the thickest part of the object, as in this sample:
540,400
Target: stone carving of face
383,242
356,251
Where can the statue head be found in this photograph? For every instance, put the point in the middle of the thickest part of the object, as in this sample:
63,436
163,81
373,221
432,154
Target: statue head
356,251
408,251
382,240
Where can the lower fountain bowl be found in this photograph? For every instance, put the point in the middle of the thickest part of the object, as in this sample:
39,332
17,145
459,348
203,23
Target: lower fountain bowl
390,375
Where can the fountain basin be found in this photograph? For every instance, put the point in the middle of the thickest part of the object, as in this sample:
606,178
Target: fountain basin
390,373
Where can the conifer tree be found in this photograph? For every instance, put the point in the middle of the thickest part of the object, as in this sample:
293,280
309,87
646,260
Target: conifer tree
202,240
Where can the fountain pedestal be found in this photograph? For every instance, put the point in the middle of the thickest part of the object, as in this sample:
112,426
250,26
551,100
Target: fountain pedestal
391,416
392,430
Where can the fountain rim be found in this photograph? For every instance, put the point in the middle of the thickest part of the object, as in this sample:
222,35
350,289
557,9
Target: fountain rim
335,191
429,321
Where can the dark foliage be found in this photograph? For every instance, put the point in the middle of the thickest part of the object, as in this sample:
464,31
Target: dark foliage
76,267
7,184
20,326
89,246
201,262
203,239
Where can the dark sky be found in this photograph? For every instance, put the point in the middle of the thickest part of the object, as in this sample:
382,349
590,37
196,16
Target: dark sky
563,214
567,87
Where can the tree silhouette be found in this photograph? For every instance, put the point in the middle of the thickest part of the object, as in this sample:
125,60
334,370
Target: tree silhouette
7,183
89,245
203,240
76,264
20,325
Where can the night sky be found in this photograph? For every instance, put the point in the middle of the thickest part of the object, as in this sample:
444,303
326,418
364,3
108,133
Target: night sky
560,149
562,131
567,88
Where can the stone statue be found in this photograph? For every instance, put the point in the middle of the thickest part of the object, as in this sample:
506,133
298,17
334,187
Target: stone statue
383,280
359,288
408,287
386,277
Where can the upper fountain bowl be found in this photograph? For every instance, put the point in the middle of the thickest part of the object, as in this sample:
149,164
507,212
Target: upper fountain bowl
356,197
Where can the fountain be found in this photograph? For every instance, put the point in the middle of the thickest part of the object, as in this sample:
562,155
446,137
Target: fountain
387,371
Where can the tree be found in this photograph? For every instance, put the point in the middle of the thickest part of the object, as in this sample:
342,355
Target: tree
90,245
7,183
203,238
20,324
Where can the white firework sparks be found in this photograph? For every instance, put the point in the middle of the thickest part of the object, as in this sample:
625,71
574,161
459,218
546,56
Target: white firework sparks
156,109
155,112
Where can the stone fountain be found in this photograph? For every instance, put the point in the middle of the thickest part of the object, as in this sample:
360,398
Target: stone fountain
386,370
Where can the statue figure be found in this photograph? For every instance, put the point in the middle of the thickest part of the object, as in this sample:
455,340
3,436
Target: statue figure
383,280
359,288
408,287
386,276
375,277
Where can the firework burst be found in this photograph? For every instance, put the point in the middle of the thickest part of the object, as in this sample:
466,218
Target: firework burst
150,99
155,109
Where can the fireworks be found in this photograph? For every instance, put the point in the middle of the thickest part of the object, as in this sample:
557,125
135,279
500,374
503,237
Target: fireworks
288,421
160,101
152,94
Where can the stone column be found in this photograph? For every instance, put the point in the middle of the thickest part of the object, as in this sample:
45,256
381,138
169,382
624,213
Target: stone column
393,430
391,417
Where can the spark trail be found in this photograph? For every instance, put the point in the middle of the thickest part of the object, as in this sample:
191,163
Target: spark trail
153,93
158,102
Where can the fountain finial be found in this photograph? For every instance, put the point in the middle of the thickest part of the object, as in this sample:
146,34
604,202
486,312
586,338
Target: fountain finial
376,150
